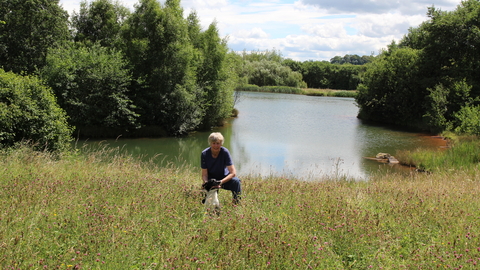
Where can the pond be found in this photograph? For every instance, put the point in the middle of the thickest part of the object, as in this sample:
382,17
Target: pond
286,135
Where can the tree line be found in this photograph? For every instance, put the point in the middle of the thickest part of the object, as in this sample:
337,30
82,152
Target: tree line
429,80
108,71
270,68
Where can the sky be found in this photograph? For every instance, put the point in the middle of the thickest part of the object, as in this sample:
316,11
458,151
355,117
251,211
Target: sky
305,30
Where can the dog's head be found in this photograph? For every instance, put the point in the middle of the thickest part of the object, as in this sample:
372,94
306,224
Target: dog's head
211,184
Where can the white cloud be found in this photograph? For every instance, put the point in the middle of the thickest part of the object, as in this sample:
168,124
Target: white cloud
381,25
253,33
332,30
406,7
308,29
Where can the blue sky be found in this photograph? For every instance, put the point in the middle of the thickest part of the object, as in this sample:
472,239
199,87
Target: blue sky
307,29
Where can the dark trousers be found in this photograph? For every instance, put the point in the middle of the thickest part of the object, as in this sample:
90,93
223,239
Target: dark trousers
234,185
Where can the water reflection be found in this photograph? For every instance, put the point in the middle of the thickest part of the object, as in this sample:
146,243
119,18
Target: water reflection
289,135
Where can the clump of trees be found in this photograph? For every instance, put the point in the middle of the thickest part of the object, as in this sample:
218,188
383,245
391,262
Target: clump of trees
325,75
270,68
266,68
148,72
430,79
352,59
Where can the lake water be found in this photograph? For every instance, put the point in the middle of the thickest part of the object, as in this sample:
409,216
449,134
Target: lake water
294,136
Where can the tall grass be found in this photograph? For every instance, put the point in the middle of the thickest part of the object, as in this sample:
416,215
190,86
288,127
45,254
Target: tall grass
95,211
294,90
462,155
329,93
271,89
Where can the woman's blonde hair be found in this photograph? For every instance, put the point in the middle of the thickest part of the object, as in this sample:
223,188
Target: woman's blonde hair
215,137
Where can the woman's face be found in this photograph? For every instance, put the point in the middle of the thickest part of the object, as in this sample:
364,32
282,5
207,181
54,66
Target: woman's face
215,146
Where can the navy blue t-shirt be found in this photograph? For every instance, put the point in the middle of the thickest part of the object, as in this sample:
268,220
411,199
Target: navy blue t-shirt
216,167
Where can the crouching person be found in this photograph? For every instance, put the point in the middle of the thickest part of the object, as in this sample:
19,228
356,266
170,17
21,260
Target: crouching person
217,163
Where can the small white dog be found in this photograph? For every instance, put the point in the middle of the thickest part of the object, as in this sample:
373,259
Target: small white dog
212,204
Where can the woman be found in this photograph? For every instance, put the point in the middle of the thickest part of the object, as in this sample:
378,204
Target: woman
217,163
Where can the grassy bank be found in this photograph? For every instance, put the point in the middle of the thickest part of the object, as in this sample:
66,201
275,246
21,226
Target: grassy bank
294,90
96,212
463,154
329,92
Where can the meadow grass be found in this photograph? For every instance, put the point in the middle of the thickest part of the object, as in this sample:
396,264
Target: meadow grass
98,211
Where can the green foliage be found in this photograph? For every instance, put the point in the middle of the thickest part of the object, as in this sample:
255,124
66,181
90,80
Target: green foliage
463,154
161,55
342,93
322,74
468,118
29,112
213,77
352,59
270,69
91,85
271,73
30,29
444,104
267,55
391,92
443,76
99,21
271,89
437,108
182,74
451,44
162,58
249,87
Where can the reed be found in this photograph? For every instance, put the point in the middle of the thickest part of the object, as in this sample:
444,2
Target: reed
330,93
271,89
98,211
464,154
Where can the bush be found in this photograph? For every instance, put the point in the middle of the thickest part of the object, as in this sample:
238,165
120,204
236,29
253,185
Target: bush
91,86
468,120
28,111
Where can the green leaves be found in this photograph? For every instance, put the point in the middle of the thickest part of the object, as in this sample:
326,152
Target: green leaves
152,68
430,76
30,28
184,78
100,21
28,111
92,85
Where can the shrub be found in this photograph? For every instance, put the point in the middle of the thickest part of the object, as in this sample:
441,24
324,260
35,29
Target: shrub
468,120
28,111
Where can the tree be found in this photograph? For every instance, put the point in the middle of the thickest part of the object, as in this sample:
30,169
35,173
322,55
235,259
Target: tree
351,59
30,29
100,21
91,85
391,89
316,73
272,73
213,77
162,57
452,42
431,76
28,111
